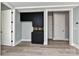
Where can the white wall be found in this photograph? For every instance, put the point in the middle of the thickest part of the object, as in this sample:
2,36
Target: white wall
45,27
0,23
26,31
50,25
67,25
6,27
76,26
0,28
18,27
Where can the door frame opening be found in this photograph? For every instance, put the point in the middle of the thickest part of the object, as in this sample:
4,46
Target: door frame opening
62,33
70,10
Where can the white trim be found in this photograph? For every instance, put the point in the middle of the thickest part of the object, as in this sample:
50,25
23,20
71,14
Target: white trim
13,27
6,44
16,43
6,41
61,39
12,34
45,27
71,27
59,9
31,10
51,6
75,45
25,39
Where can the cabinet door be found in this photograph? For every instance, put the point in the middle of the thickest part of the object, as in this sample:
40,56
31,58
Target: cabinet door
38,20
6,27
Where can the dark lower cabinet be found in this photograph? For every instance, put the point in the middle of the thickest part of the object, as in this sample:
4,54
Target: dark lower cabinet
37,37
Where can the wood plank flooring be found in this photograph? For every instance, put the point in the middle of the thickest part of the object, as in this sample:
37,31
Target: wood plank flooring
55,48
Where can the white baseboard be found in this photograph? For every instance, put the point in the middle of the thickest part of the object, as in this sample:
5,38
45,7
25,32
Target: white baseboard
75,45
60,39
16,43
26,40
45,43
50,38
6,44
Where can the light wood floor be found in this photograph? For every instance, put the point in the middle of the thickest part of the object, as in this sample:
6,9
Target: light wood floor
55,48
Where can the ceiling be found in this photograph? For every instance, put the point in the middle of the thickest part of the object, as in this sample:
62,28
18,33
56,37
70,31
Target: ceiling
33,4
